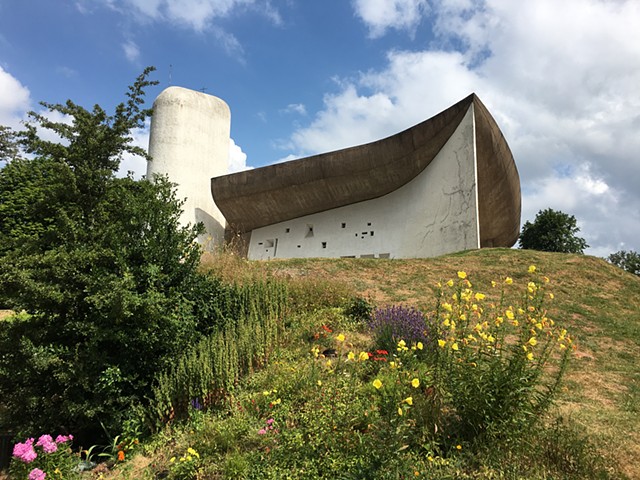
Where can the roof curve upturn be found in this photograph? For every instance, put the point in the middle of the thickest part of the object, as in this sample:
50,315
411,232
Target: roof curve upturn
275,193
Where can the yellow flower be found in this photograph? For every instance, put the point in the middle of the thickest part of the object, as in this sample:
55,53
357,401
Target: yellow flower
459,447
454,346
419,346
266,392
450,283
363,356
193,452
532,341
377,383
351,356
509,314
399,411
319,383
173,459
392,364
415,383
462,275
441,343
552,296
402,343
408,400
493,283
532,268
340,338
529,356
480,296
508,280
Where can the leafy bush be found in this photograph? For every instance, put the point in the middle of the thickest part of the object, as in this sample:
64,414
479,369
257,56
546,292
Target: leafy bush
105,273
359,309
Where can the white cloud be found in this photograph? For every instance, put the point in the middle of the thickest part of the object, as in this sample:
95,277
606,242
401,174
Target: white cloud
237,158
298,108
131,51
15,100
195,14
133,163
559,77
382,15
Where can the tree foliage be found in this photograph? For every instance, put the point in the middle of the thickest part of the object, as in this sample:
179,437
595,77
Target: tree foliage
100,265
552,231
628,261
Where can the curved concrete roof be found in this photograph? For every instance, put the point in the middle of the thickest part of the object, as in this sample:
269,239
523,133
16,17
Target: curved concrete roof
272,194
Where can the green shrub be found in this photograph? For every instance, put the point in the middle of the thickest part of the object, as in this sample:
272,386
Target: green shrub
108,277
206,372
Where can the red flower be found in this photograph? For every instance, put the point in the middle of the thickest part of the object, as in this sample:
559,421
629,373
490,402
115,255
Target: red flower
326,329
382,352
121,456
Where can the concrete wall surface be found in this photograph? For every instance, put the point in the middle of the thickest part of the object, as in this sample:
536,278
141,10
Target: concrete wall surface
189,143
434,213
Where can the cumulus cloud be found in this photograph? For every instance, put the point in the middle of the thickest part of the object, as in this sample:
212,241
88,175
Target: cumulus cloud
15,100
237,158
560,78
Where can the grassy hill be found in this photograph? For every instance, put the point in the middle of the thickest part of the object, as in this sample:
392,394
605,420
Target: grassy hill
598,302
599,400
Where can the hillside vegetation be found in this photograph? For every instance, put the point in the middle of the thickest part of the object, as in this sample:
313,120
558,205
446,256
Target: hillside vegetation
592,429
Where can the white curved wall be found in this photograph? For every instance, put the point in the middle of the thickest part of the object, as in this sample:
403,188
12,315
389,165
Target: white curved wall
433,214
189,143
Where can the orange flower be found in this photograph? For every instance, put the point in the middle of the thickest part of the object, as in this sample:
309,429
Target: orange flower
120,456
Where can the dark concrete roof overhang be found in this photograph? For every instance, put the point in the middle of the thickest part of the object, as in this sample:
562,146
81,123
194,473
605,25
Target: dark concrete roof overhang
273,194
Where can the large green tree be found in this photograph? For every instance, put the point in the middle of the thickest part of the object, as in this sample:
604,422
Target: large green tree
101,266
552,231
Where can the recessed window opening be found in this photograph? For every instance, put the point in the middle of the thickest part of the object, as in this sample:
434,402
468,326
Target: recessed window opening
368,224
324,244
298,246
309,231
344,225
268,243
287,230
364,233
371,233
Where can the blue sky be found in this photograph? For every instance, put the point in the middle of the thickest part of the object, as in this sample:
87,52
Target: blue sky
304,76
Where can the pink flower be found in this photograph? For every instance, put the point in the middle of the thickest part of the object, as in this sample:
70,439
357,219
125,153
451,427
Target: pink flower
262,431
63,438
47,444
37,474
24,451
270,421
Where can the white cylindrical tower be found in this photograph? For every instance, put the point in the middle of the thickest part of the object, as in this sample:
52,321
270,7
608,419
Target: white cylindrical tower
189,142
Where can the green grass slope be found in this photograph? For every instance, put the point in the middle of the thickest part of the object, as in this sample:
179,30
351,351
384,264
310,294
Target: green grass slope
598,302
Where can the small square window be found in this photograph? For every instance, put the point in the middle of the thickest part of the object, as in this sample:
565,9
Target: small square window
344,225
287,230
324,244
